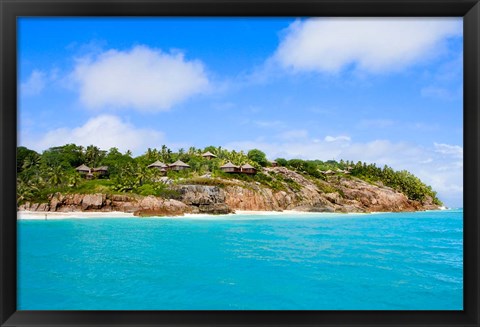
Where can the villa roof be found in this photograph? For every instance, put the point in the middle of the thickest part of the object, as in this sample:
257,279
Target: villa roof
105,168
179,163
208,154
157,163
82,167
229,165
328,172
247,166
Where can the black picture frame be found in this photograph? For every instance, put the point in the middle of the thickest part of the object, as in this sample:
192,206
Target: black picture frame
10,10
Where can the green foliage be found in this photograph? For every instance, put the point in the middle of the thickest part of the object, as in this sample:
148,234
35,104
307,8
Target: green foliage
402,181
92,186
157,189
258,157
69,155
26,158
281,162
207,181
54,171
325,187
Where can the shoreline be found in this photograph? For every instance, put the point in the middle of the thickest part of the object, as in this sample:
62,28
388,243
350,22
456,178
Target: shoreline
35,215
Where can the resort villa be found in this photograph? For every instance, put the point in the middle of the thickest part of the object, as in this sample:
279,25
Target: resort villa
89,173
230,168
248,169
244,169
100,171
208,155
159,165
178,165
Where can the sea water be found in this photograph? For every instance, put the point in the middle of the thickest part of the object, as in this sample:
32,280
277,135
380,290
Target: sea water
388,261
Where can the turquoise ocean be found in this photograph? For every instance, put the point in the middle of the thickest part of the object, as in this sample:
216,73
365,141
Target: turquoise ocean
387,261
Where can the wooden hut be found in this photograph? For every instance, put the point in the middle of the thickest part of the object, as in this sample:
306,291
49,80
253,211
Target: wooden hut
84,170
274,163
100,171
208,155
230,168
248,169
178,165
159,165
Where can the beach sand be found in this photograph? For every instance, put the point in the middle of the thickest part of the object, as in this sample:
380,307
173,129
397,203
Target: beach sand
118,214
68,215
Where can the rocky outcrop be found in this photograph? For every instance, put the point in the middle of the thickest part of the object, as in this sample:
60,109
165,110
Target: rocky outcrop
204,199
337,194
196,199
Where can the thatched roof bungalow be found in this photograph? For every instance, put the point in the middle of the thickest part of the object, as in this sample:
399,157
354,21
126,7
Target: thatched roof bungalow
103,169
230,168
248,169
208,155
83,169
178,165
158,165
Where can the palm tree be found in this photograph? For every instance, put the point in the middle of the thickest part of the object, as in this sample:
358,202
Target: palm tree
142,175
93,155
192,151
31,161
25,191
55,175
74,179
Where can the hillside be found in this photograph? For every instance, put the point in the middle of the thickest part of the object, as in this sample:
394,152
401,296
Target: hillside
211,180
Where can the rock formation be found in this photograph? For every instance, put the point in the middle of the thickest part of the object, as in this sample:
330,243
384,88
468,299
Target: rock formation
337,194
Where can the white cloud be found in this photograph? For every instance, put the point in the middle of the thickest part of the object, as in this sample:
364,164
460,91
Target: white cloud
142,78
341,138
455,151
374,45
104,131
34,84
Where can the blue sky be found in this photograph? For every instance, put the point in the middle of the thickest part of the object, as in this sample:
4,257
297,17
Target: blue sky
387,91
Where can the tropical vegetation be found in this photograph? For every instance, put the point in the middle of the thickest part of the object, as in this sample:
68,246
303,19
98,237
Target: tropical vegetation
53,170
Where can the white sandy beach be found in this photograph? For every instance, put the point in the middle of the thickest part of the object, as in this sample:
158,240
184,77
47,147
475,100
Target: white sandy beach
69,215
117,214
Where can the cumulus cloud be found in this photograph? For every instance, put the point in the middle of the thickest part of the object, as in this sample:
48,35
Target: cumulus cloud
455,151
340,138
142,78
35,83
104,131
439,165
373,45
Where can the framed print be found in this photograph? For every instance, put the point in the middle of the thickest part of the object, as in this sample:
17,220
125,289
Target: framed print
239,163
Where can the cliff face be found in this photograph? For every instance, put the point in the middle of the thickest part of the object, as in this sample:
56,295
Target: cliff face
338,194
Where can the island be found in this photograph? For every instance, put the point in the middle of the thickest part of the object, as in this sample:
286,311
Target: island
212,180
